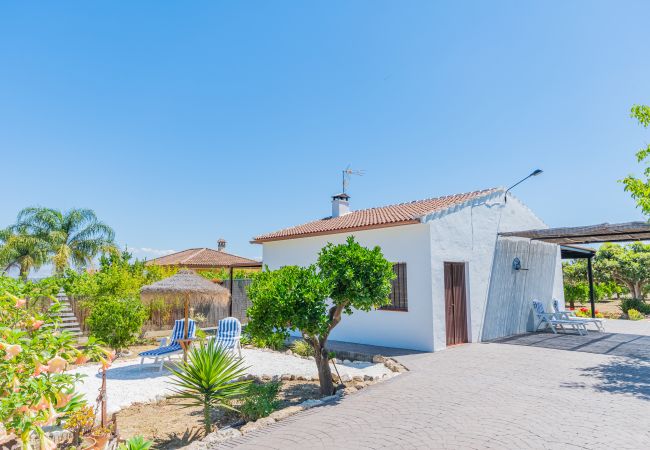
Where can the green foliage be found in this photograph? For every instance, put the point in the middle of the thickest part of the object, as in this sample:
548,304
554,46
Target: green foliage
296,298
117,322
627,265
633,314
80,422
260,400
360,277
639,188
224,274
275,341
576,285
290,298
118,277
35,391
635,303
22,250
302,348
136,443
209,379
75,236
576,293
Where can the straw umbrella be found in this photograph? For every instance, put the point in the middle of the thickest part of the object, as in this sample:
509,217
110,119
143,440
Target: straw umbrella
186,285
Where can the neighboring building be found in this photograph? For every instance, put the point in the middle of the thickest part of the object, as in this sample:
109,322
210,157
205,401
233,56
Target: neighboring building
206,259
445,250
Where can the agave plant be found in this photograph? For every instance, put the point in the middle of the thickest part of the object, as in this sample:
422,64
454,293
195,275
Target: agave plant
209,379
136,443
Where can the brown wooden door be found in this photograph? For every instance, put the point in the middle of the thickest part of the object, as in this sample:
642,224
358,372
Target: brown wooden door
455,303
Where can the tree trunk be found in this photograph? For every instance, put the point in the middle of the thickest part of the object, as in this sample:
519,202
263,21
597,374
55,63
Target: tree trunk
324,371
24,272
572,303
207,418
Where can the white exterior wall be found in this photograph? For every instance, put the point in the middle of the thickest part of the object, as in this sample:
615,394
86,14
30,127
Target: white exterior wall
469,235
409,244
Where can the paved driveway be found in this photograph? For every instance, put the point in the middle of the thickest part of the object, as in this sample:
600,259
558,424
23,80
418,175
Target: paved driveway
517,394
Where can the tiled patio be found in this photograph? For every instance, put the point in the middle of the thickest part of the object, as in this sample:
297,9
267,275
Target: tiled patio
535,391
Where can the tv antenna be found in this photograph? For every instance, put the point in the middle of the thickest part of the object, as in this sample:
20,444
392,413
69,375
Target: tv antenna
347,173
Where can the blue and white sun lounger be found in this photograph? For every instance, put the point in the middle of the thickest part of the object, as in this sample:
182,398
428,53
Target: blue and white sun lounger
228,335
174,348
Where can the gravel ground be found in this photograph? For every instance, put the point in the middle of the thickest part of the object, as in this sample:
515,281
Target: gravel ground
129,382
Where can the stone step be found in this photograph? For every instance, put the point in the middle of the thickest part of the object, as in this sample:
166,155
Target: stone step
67,314
71,329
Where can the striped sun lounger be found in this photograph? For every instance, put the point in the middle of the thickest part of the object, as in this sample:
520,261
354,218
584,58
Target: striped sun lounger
228,334
174,347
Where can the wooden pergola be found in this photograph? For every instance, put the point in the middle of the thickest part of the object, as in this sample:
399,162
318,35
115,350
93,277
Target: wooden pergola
570,238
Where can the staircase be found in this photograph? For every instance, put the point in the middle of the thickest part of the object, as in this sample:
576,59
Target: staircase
69,321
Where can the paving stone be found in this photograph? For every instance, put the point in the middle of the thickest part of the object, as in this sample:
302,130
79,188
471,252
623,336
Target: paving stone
543,392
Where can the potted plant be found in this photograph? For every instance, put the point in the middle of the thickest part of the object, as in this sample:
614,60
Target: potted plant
101,435
81,423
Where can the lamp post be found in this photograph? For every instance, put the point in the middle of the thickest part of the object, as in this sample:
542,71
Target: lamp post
534,173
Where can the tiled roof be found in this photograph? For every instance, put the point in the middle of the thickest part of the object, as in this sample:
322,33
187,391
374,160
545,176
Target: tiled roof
202,258
383,216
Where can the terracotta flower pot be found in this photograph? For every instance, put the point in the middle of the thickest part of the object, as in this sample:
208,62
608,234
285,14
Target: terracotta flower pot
101,441
88,443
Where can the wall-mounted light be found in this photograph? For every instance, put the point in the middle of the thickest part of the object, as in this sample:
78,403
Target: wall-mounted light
516,264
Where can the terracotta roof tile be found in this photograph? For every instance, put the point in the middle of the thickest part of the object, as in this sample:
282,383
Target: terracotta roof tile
383,216
202,258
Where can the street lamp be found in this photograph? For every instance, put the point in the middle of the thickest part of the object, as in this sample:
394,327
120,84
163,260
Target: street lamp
534,173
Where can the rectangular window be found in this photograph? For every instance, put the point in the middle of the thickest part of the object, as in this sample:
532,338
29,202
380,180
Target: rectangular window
398,296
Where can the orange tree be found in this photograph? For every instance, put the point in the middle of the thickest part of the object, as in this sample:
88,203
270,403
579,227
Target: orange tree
312,300
639,187
35,391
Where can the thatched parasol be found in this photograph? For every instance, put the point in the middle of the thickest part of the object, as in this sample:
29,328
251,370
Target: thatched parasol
188,285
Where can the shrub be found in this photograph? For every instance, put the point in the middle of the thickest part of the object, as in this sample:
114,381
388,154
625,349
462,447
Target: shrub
80,422
117,322
586,312
633,314
35,391
302,348
635,303
209,379
136,443
272,341
260,400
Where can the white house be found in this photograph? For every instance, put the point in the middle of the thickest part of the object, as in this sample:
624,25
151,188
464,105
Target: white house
456,278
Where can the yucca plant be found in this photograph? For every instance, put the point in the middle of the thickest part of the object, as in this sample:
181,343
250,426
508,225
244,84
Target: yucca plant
209,379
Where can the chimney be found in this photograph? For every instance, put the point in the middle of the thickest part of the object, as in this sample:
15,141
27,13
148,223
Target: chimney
340,204
221,245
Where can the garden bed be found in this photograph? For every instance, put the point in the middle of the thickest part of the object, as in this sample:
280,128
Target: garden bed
171,426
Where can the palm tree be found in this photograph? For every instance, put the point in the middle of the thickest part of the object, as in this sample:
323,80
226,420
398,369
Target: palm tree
76,236
24,251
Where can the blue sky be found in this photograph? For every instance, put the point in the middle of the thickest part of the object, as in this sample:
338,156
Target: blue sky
183,122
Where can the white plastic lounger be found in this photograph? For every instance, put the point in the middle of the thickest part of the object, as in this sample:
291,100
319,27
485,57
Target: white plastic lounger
554,322
174,348
571,315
